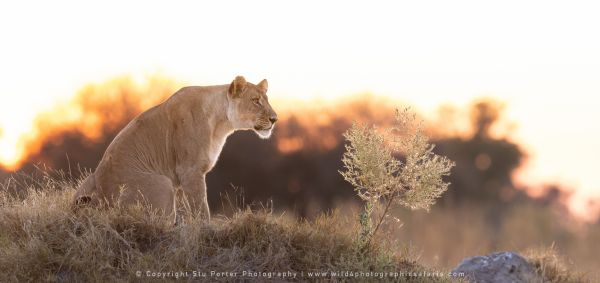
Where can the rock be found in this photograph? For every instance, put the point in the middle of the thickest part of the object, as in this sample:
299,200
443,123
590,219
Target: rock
498,267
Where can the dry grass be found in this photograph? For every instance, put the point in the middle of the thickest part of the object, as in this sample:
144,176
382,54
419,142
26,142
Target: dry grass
43,239
553,267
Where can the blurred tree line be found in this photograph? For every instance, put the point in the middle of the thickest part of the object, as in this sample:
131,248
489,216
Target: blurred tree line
298,167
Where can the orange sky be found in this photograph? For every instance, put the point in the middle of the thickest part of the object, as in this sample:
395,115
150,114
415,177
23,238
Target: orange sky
540,58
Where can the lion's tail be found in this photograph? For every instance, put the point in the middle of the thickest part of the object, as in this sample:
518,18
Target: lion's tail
86,191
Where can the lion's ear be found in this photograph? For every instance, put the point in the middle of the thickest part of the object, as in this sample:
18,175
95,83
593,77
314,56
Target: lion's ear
263,85
238,86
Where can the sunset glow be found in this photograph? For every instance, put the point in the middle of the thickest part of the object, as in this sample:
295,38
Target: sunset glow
546,70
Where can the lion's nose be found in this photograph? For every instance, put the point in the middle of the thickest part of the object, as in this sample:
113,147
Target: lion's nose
273,119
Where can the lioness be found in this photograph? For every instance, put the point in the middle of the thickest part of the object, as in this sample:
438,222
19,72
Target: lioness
174,144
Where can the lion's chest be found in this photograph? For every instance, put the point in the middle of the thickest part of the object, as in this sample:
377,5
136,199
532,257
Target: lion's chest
214,151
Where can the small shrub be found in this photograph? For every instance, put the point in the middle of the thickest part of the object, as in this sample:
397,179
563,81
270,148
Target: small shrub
382,180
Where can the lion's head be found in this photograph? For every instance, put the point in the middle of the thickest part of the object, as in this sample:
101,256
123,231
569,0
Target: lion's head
249,107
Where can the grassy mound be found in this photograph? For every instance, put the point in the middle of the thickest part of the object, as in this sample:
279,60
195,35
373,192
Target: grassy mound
43,239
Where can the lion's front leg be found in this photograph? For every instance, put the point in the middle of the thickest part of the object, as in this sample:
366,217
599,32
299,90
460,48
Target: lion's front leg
194,195
192,161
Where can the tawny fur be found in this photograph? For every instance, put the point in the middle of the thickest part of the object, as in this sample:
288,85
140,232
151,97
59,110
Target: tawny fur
174,144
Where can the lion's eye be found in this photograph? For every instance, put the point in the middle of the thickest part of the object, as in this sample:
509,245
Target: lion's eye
256,101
